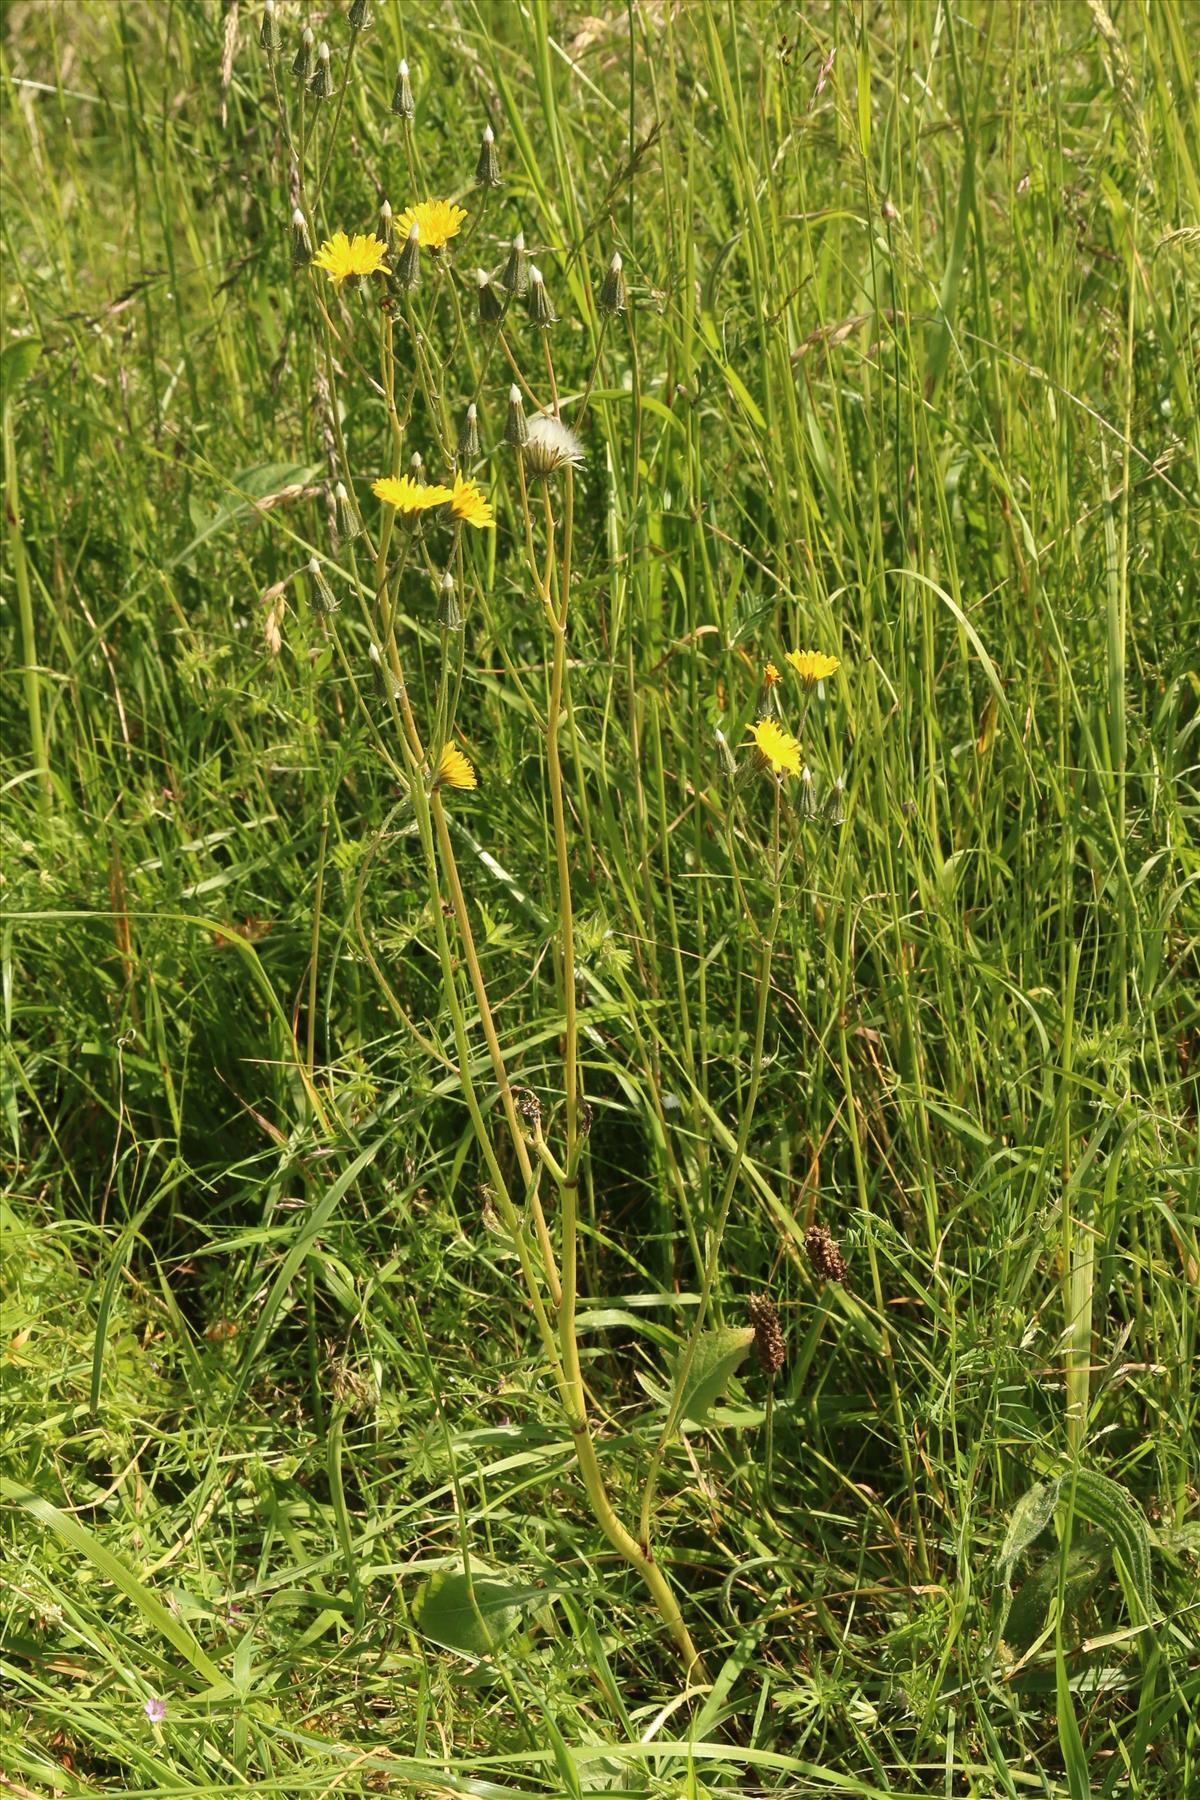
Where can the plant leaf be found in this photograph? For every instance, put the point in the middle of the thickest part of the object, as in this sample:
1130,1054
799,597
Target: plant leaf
718,1354
474,1613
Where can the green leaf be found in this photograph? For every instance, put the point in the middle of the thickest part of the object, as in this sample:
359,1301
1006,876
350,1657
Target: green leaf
472,1613
718,1354
1110,1508
16,361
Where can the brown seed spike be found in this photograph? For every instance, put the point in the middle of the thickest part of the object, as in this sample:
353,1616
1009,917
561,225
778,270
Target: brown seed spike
768,1338
824,1255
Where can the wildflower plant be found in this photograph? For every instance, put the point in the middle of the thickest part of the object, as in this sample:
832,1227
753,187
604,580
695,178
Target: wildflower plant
479,443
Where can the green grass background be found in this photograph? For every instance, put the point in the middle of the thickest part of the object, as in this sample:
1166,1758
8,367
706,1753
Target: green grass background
910,375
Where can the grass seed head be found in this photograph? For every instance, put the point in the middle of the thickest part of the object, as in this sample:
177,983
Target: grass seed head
768,1338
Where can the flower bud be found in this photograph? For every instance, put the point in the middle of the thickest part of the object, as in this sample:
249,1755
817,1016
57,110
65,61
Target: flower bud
537,301
302,250
515,275
321,595
268,31
491,306
516,430
416,469
614,295
487,169
449,611
407,272
835,803
806,803
321,85
468,437
359,15
349,522
403,104
387,227
728,763
302,63
385,681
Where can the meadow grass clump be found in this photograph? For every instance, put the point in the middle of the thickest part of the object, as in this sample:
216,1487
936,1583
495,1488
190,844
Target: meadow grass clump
599,944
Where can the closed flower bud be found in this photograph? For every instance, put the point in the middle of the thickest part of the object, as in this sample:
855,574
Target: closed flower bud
416,469
614,295
806,805
407,272
449,611
359,15
387,227
302,63
515,275
349,522
403,104
728,763
385,681
516,429
321,595
268,31
321,85
468,437
835,803
302,249
487,169
537,301
491,306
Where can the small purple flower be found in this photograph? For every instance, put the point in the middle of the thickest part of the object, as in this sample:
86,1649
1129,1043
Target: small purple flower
155,1709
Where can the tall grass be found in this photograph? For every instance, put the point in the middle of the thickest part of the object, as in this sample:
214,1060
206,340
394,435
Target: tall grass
388,1162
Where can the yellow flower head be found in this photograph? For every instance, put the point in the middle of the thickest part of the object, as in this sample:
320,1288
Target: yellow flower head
469,503
341,257
771,675
776,746
408,496
454,769
812,665
437,221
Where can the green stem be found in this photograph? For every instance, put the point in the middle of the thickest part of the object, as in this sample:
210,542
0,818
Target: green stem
29,672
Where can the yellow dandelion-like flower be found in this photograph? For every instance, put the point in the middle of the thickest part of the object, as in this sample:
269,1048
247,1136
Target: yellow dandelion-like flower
771,675
470,504
454,769
437,221
812,665
776,746
341,257
408,496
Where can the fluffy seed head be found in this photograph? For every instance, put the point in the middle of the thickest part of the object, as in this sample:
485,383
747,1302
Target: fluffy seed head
550,446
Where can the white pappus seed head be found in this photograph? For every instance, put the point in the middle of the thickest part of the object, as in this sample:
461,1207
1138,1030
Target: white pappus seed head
323,52
414,233
472,411
550,446
616,265
489,136
403,67
447,583
514,395
519,241
298,219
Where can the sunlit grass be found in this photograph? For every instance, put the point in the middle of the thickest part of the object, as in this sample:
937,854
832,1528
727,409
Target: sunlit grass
879,341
